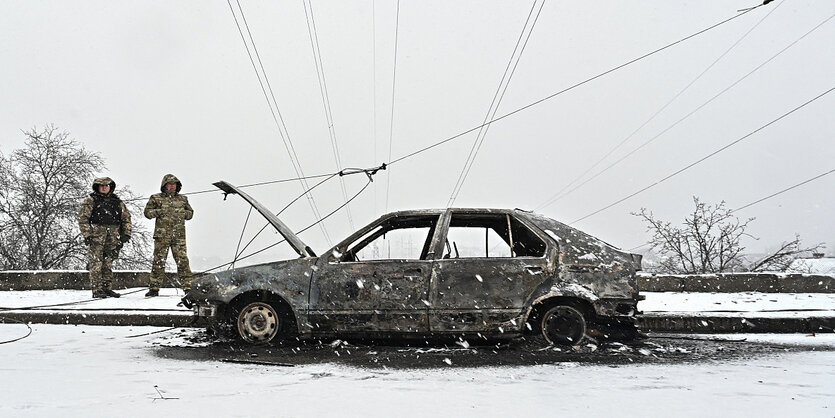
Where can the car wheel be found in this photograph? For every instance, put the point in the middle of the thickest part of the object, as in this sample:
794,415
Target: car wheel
258,323
563,325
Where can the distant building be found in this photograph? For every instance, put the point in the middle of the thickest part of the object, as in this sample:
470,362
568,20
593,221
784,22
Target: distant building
817,264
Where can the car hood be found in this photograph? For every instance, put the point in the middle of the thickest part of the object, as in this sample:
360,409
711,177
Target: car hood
301,248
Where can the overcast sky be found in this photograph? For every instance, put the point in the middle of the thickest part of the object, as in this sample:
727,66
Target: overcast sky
161,86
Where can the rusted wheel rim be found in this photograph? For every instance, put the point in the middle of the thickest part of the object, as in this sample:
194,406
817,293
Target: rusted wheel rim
563,325
258,323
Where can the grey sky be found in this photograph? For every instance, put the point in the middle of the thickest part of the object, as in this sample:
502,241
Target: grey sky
162,86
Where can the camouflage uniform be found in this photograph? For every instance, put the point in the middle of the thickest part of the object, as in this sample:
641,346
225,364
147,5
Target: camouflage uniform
171,210
104,222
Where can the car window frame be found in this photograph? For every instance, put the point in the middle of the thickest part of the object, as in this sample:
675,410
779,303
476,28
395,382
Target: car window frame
443,233
343,247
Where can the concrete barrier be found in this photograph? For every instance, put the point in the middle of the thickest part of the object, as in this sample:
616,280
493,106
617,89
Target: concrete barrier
666,322
72,279
647,282
737,282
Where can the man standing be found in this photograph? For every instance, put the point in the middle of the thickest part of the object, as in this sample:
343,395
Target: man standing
171,210
104,222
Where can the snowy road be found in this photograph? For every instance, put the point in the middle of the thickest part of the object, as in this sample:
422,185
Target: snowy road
97,371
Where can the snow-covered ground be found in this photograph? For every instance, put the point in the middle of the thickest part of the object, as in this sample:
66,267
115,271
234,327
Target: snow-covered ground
752,304
90,371
82,299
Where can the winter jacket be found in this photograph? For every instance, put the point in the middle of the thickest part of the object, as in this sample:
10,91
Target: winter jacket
170,209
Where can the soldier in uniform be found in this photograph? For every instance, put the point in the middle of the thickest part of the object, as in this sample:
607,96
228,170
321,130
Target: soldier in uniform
104,222
171,210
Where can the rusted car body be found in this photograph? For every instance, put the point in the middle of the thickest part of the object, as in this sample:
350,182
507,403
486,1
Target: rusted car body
483,273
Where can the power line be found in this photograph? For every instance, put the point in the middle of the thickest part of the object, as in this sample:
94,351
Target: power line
285,135
374,89
297,233
326,103
763,199
676,123
784,190
558,195
424,149
393,85
703,158
494,104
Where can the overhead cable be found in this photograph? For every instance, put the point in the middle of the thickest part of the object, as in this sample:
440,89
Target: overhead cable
559,194
784,190
285,134
424,149
393,85
497,99
763,199
682,119
326,103
677,172
298,232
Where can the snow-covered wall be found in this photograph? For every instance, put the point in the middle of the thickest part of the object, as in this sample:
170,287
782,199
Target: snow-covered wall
737,282
647,282
70,279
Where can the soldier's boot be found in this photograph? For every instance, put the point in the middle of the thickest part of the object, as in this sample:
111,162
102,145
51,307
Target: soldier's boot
152,293
99,294
111,293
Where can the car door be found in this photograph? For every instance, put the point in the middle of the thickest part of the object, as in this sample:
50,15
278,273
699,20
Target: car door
377,280
491,263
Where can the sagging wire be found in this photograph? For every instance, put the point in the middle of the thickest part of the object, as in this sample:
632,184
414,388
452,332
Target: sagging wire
613,69
752,8
4,319
763,199
242,237
238,253
681,170
393,86
152,332
498,96
78,302
345,172
285,135
326,102
559,195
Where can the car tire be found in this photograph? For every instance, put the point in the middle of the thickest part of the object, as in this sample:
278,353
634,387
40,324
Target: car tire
563,325
258,323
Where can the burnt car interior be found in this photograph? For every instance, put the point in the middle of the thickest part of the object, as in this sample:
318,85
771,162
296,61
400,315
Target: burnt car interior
490,236
401,237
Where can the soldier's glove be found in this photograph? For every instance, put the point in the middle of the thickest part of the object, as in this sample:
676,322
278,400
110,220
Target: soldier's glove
124,239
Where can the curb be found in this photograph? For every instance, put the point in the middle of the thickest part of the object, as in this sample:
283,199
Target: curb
647,323
734,324
93,318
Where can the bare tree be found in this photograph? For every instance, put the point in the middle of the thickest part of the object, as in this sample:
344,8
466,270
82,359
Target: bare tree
781,258
709,241
41,187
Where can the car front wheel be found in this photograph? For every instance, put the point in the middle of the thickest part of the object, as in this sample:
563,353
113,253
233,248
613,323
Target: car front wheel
258,323
563,325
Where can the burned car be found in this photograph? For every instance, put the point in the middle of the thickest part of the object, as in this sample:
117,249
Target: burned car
474,273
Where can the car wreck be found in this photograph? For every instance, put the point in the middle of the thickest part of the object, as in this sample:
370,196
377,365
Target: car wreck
468,273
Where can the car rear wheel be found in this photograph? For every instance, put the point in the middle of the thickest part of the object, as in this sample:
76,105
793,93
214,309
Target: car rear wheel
258,323
563,325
